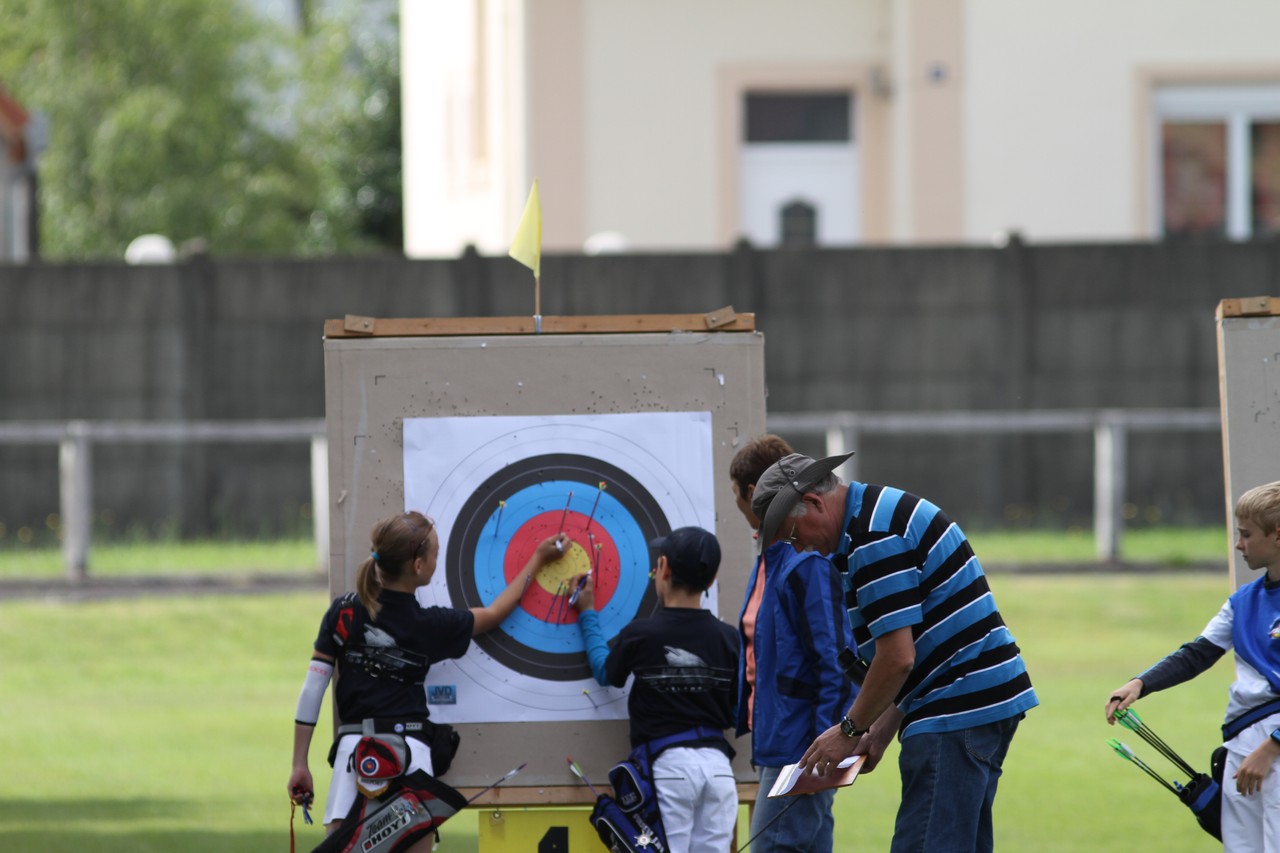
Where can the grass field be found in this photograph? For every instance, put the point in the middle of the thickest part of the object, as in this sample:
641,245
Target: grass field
1168,546
163,724
1165,546
170,559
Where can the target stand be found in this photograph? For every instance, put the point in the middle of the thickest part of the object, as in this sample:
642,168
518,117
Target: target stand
1249,388
614,430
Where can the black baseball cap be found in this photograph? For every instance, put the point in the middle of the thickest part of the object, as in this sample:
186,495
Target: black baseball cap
692,553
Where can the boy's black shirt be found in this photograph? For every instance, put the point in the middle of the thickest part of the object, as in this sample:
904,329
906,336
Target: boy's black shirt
685,662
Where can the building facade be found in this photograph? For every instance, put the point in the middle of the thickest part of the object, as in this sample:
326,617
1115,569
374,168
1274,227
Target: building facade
690,124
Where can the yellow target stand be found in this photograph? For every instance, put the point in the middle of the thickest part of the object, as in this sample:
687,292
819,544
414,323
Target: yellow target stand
556,819
543,819
545,830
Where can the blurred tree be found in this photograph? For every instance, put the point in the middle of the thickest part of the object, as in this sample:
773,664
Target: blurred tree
353,122
200,119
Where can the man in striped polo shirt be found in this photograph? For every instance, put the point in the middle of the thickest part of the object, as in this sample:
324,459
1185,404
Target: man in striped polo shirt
945,673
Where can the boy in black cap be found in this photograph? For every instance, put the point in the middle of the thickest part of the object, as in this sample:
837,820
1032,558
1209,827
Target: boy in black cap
685,661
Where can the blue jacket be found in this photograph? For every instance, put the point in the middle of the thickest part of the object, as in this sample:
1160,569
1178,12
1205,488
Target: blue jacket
802,625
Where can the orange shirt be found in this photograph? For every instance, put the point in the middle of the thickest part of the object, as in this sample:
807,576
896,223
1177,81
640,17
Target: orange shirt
749,631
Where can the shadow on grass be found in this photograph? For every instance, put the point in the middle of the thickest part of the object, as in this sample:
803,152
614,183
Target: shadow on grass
112,826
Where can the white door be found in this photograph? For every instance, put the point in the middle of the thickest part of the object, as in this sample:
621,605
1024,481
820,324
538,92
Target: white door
799,162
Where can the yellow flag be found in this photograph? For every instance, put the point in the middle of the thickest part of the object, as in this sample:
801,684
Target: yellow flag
527,246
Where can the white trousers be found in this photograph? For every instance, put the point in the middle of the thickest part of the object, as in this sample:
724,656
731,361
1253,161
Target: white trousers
342,789
698,799
1250,824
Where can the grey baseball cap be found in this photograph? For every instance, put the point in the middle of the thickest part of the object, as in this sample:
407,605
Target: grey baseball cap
782,485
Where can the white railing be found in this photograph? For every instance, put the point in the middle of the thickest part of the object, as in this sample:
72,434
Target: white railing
1110,428
842,432
75,440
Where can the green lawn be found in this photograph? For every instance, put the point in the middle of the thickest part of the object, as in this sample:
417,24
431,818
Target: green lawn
1165,546
163,724
1170,546
168,558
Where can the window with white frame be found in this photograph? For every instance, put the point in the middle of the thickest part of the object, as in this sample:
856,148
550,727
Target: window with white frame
1217,161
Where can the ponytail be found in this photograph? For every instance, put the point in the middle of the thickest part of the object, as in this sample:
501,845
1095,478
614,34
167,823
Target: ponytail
396,542
368,586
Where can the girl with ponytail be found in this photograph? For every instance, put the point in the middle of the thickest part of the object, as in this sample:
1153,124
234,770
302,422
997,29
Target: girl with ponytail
383,642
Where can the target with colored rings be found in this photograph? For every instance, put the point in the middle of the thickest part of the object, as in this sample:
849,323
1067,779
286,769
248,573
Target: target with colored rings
498,485
517,507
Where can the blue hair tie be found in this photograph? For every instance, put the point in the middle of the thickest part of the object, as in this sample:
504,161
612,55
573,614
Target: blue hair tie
374,555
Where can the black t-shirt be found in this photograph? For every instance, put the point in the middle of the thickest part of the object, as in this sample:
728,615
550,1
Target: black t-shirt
383,663
685,662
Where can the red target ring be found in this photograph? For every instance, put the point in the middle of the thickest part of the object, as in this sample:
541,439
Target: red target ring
546,591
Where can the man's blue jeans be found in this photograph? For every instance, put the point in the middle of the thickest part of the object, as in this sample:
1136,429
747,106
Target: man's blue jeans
948,785
806,826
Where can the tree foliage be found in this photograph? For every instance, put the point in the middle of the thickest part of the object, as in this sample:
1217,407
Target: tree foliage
357,123
203,119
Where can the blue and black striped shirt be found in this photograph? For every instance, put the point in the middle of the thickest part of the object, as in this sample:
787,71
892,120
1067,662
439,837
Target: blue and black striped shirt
906,563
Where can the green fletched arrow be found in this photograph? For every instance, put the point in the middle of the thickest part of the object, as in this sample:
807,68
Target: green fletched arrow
1128,754
577,771
1130,720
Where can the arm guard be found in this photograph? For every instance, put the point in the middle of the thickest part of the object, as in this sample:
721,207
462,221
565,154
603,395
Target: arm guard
313,686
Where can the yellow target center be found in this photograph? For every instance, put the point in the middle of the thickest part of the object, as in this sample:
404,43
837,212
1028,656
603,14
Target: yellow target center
560,574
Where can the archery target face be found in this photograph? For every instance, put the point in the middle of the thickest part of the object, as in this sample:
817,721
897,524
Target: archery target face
496,487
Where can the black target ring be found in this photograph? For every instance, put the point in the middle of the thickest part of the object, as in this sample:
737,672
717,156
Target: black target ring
469,527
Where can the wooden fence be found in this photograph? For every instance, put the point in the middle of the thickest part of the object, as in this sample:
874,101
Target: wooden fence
840,432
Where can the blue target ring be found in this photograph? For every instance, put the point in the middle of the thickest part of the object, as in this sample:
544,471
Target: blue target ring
518,506
625,573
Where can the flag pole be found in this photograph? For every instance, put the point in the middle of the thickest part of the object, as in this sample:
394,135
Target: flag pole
537,305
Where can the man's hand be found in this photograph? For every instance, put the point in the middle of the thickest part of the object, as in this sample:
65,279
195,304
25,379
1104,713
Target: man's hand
828,749
874,743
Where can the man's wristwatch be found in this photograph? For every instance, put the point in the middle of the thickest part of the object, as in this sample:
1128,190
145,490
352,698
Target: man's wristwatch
850,729
1275,736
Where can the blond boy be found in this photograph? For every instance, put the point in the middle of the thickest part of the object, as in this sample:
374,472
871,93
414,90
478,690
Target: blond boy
1249,623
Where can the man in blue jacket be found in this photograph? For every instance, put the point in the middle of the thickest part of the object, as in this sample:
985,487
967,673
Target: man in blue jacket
790,686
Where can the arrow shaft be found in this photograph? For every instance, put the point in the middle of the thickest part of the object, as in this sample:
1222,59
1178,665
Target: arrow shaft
1127,754
1134,723
513,771
565,514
